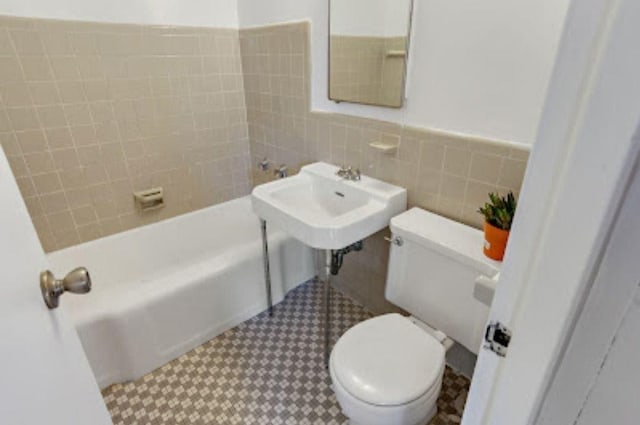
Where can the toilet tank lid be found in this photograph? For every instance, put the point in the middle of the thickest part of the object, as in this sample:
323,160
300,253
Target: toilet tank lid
451,238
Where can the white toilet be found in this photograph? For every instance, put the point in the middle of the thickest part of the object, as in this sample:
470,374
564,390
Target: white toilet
388,370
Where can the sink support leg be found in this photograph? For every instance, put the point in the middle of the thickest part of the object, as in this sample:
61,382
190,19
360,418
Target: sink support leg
265,260
327,306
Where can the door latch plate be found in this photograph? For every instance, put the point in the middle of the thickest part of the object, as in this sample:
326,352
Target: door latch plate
497,338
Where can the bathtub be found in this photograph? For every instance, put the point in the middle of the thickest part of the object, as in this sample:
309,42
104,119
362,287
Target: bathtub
163,289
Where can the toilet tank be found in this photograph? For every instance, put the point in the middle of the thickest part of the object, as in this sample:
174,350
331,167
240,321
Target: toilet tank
432,274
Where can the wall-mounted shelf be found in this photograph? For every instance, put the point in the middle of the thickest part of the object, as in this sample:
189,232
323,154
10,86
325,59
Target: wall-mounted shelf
396,53
385,148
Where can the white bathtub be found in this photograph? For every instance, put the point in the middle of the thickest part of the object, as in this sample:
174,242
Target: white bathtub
163,289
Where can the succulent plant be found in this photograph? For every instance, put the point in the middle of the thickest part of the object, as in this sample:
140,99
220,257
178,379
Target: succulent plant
500,211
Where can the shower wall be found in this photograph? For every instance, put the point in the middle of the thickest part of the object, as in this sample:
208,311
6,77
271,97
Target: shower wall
91,112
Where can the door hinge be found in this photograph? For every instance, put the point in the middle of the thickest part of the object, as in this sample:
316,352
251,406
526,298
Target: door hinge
497,338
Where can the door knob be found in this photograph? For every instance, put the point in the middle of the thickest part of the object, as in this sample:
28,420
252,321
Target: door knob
77,281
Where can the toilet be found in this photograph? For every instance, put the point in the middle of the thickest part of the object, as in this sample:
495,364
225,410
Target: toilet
388,370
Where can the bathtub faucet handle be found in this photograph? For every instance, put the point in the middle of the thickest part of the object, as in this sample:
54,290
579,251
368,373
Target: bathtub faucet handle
77,281
264,164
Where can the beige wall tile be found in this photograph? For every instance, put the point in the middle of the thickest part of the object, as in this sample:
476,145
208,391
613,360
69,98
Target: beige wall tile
44,93
15,94
61,221
91,110
485,168
477,193
53,202
10,69
65,159
36,211
47,183
96,90
31,141
10,144
39,162
26,186
89,232
71,91
452,189
56,43
36,68
457,161
26,42
77,114
65,67
51,116
6,47
5,124
512,173
432,155
18,166
59,137
23,118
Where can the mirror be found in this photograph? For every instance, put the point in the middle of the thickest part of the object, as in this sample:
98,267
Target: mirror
368,45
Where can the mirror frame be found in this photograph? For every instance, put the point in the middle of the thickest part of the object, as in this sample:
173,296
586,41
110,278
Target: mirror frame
404,96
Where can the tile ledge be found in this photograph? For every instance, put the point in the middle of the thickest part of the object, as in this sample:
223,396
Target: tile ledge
472,138
274,25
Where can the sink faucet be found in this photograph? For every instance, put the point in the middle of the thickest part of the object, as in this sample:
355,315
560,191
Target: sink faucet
281,172
349,173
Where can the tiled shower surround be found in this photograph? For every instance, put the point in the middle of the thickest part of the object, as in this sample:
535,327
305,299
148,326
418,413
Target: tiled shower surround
92,112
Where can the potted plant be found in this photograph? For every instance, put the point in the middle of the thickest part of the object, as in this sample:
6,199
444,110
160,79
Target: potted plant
498,215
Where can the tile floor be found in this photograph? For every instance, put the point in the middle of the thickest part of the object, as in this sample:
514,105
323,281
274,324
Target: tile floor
264,371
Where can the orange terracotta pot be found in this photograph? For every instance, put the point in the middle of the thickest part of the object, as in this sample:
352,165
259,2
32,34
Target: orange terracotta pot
495,241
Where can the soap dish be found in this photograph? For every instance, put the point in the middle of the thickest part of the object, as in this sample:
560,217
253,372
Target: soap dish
150,199
385,148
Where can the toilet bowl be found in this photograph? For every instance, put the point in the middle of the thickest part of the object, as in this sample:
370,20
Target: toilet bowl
387,371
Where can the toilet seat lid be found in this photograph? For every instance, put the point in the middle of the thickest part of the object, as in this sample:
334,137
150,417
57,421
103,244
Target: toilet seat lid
387,361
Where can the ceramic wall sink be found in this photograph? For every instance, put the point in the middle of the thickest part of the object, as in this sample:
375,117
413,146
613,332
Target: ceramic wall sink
325,211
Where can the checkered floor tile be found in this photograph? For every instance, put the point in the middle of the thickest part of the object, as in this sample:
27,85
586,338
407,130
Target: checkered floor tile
264,371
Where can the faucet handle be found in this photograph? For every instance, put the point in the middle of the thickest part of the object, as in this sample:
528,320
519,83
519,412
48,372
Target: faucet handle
349,173
264,164
281,172
343,171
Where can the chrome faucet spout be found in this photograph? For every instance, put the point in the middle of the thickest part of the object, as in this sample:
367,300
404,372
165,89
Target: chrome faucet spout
349,173
281,172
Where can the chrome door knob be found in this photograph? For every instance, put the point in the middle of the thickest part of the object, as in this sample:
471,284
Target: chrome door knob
77,281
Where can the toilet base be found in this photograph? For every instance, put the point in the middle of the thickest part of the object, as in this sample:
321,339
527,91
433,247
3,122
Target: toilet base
417,412
424,421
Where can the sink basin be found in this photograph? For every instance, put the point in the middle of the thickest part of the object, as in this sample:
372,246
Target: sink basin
325,211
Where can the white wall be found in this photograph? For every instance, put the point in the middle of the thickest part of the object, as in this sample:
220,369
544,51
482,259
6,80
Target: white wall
210,13
381,18
478,68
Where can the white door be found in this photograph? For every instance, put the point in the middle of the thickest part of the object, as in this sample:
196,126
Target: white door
598,377
45,377
578,172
